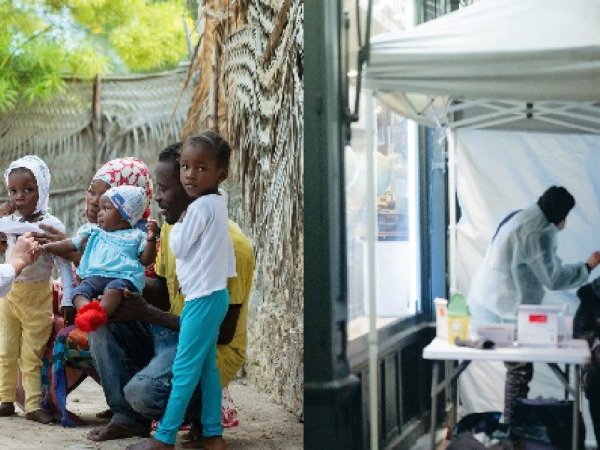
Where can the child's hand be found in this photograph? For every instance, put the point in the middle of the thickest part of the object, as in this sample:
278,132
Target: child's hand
7,208
151,230
50,234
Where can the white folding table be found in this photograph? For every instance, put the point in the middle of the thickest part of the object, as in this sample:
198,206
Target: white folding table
575,352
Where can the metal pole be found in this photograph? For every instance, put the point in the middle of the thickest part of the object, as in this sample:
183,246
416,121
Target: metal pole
434,393
371,236
575,436
452,210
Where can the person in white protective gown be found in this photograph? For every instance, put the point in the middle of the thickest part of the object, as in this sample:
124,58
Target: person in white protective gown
519,264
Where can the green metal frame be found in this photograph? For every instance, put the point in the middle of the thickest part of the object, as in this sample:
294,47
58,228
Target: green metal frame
331,394
335,413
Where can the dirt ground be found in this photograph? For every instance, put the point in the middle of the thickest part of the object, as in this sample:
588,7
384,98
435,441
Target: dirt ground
263,425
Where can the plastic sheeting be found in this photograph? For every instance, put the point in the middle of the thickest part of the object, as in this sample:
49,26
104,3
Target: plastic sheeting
502,49
498,172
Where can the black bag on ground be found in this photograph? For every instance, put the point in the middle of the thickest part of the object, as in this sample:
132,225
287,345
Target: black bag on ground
485,422
545,421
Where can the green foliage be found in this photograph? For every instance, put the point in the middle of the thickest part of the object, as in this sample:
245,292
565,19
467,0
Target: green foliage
34,56
145,47
102,16
43,41
147,35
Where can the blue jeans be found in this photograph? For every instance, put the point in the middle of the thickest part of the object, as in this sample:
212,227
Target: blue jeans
196,362
94,286
120,350
149,389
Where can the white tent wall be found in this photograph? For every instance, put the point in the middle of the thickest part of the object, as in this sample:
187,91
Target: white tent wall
498,172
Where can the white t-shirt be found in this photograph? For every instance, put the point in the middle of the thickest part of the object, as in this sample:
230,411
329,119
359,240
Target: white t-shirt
203,251
41,269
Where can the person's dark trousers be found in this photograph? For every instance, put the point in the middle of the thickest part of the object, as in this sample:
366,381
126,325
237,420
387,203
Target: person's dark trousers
119,351
586,325
518,377
592,392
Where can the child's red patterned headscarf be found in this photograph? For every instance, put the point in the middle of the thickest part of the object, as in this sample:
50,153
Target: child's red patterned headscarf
128,171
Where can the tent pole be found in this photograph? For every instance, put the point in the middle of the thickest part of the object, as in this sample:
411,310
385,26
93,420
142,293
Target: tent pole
371,233
452,210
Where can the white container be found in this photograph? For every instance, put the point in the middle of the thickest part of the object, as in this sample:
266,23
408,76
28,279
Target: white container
537,325
502,334
565,326
441,318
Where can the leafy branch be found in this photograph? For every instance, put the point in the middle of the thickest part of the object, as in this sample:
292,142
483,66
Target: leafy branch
41,42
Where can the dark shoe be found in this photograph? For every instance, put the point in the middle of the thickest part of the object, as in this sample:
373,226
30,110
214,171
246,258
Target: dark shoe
39,415
7,409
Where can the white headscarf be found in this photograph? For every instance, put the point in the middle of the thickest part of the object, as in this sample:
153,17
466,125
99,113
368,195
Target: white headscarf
40,171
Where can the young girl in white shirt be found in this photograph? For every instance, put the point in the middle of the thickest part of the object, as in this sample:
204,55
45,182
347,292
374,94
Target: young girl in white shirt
26,312
204,260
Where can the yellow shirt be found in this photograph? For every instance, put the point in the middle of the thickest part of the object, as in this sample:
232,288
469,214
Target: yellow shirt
230,357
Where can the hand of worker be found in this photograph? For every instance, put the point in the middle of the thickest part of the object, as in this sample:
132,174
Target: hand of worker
25,251
593,260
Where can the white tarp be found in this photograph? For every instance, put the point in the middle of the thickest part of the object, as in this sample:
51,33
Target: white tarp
498,172
500,49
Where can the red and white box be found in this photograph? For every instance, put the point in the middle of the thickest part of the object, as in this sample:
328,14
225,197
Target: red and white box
537,325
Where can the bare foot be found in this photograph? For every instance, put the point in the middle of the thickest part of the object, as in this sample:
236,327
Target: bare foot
39,415
207,443
110,432
149,444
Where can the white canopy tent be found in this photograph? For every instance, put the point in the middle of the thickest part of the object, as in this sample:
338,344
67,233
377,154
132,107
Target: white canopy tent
526,67
503,64
502,59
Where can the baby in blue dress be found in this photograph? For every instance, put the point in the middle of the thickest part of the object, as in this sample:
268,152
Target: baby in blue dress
115,254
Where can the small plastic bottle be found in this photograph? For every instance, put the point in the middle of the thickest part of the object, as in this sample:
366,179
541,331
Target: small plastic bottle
458,318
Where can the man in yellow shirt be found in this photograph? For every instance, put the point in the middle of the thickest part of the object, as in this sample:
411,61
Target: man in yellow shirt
231,348
146,393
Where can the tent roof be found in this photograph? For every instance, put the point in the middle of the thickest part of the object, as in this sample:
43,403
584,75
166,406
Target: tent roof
526,51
